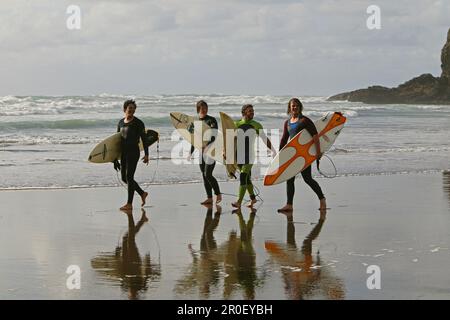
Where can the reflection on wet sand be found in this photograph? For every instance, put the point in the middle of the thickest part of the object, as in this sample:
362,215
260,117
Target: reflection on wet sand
304,276
234,261
125,265
446,183
204,270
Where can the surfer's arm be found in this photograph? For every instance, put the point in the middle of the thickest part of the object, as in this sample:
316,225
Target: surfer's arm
213,126
266,140
285,137
311,128
317,144
143,138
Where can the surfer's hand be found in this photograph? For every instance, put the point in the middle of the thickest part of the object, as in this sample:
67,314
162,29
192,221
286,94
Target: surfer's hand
116,165
189,157
145,159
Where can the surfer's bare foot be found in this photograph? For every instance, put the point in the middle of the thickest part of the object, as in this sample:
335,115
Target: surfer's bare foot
236,204
218,198
207,201
143,197
250,203
289,215
323,204
286,208
127,207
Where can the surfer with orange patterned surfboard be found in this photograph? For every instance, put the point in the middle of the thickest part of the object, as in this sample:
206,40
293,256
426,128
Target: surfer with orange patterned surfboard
308,141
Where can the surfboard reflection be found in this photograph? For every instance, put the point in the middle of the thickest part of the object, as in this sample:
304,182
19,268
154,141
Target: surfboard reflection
303,274
230,267
125,265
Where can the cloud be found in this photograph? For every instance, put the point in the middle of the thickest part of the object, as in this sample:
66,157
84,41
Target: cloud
155,40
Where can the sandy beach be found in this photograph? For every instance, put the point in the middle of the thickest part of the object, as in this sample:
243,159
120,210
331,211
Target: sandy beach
177,249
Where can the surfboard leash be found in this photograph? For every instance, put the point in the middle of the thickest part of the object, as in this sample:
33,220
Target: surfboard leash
327,176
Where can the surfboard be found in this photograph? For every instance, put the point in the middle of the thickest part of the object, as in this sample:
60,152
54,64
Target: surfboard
109,149
191,129
218,148
300,152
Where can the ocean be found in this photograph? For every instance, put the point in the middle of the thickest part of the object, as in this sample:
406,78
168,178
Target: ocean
45,140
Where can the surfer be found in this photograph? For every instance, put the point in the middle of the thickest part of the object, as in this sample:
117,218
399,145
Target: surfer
207,164
292,126
245,159
131,129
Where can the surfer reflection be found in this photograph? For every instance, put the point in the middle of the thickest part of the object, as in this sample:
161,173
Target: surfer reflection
126,265
204,270
303,274
240,259
234,261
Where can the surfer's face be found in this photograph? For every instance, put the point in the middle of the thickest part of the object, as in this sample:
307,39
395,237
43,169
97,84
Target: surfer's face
202,111
295,109
249,113
130,110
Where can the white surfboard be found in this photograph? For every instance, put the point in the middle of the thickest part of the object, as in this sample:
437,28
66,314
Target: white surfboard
193,130
300,151
217,149
109,149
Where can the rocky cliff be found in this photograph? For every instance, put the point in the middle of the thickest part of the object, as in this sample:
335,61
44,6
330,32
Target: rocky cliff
425,89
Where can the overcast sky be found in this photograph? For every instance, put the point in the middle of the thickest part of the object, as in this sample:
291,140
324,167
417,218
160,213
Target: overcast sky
318,47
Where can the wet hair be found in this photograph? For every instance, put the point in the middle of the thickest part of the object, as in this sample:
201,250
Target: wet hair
127,103
245,107
201,103
296,100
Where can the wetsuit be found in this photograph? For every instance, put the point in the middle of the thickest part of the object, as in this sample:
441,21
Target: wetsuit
290,130
245,162
207,167
131,132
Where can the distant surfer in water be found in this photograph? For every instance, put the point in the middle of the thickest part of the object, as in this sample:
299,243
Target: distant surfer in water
207,164
245,158
292,126
131,129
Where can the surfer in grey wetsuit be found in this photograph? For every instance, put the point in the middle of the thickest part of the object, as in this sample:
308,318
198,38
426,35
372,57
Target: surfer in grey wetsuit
207,165
294,125
131,129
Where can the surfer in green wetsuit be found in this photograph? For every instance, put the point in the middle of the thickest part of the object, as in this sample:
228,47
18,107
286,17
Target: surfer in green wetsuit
131,129
206,164
248,129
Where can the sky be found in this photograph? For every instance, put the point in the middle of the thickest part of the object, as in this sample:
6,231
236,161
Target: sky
260,47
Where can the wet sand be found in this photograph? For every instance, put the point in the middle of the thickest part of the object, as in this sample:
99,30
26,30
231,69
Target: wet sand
400,223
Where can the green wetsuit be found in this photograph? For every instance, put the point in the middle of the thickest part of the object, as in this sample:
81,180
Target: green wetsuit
245,162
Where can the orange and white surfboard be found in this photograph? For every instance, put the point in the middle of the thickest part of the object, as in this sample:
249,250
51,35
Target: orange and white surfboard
300,152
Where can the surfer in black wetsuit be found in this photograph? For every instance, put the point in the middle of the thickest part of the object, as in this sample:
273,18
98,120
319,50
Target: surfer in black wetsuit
132,129
207,164
294,125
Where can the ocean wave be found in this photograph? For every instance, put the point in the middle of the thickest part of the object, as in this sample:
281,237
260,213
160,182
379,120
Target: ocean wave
77,123
41,105
416,149
44,140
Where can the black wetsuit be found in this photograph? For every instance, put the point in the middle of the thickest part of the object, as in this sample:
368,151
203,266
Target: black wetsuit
290,130
207,167
131,133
